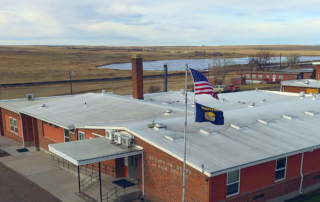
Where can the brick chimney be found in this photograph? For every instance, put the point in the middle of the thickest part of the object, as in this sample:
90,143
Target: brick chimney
317,72
137,76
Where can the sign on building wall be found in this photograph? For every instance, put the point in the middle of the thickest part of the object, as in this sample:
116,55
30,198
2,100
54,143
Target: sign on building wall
312,90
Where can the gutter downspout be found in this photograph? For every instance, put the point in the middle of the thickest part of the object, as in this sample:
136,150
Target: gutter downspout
301,168
22,131
142,173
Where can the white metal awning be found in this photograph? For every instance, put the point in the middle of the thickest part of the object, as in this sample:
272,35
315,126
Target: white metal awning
93,150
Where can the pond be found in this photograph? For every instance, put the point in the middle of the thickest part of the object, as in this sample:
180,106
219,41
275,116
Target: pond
178,65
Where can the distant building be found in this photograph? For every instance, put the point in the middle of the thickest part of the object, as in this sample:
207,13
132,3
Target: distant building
237,81
305,85
275,76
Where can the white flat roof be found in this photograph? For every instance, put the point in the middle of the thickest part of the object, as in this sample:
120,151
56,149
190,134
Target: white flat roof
311,83
225,149
316,63
92,151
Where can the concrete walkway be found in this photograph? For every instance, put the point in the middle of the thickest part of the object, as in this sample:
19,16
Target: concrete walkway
38,167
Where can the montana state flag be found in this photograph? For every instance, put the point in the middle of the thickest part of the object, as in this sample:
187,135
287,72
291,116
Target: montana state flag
207,114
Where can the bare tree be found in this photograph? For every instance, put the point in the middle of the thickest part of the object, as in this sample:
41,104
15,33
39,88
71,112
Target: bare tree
154,89
293,58
219,69
263,58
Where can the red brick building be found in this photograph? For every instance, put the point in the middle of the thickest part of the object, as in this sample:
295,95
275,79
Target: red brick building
305,85
274,77
255,156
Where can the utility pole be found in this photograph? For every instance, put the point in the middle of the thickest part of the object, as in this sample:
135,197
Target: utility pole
70,75
280,59
251,74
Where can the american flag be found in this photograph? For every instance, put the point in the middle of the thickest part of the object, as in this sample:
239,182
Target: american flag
202,85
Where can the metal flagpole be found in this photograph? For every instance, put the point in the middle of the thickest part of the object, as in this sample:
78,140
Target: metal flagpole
185,139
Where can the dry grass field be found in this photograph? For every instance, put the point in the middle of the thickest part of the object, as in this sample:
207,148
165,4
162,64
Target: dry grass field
20,64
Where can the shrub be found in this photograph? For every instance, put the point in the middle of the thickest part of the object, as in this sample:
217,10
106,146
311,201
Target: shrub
154,89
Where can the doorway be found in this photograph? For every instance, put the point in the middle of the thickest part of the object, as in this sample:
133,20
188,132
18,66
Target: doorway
132,167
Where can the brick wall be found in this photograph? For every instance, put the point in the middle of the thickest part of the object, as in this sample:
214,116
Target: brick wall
52,132
137,77
1,123
28,130
6,125
311,162
294,89
163,177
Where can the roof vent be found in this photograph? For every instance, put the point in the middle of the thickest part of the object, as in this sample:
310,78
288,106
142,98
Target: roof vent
181,91
174,137
43,105
307,81
301,94
265,121
194,102
289,116
208,131
243,102
222,100
311,112
262,100
239,102
166,103
29,97
168,112
239,126
252,104
257,90
159,126
314,96
103,92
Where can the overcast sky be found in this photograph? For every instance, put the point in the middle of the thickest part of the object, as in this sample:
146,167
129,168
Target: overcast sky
159,22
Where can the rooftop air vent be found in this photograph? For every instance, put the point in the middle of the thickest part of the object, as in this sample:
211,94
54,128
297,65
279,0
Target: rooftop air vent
166,103
168,112
289,116
222,100
43,105
314,96
174,137
29,97
311,112
208,131
262,100
103,92
181,91
307,81
301,94
252,104
265,121
257,89
239,126
159,126
243,102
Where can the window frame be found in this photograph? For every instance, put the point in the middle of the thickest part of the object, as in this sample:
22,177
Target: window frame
239,170
64,134
253,76
248,76
260,76
84,135
11,124
15,126
281,77
267,76
284,168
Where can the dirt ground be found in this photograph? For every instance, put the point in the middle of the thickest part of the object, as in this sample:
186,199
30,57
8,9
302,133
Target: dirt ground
16,188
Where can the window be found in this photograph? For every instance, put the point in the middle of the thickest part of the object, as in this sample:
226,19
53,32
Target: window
248,75
44,122
281,169
50,124
66,135
15,126
11,124
56,126
267,76
81,136
260,76
233,182
280,77
253,76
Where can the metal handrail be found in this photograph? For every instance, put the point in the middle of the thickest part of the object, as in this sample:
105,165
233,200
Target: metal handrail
106,195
